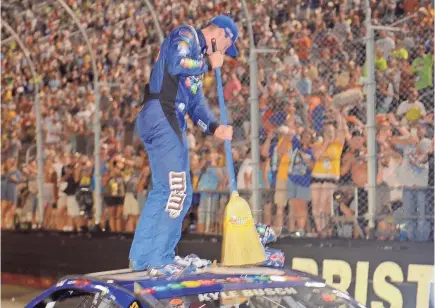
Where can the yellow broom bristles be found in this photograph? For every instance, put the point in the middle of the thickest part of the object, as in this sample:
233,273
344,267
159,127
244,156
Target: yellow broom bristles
241,244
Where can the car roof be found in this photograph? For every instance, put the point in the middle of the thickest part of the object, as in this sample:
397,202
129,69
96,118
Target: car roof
206,284
207,280
126,276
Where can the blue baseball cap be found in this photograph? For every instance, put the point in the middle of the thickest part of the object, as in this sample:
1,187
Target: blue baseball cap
231,30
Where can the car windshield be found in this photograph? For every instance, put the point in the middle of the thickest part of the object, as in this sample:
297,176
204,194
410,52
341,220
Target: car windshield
287,297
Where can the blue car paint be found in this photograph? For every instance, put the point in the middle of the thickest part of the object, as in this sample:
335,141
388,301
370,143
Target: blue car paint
221,287
122,296
122,291
254,282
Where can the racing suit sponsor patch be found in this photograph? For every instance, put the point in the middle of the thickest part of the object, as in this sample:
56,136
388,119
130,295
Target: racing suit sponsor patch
181,107
183,48
178,186
190,63
186,35
193,83
202,125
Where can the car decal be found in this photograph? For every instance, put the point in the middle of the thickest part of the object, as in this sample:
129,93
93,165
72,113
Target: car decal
166,289
134,304
131,293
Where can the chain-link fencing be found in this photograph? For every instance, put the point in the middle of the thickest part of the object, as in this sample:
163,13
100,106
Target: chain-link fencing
312,110
404,120
123,38
313,122
303,130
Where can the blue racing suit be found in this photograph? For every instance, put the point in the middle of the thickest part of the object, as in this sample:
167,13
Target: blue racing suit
174,90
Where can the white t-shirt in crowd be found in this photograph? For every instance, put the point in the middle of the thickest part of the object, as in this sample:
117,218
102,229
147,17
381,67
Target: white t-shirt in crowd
405,106
388,99
58,168
54,131
386,45
291,60
245,168
342,29
412,174
390,177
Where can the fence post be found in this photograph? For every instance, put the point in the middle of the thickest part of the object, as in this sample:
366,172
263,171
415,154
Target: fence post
97,126
39,149
371,115
255,121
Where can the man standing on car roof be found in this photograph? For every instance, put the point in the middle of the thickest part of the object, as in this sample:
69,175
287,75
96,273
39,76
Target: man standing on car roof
175,88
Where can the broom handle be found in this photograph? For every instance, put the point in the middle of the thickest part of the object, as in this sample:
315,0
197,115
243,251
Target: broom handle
224,120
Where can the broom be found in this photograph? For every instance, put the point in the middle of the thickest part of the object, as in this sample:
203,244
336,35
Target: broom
241,244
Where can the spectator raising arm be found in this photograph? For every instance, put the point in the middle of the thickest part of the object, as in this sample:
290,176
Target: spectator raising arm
247,176
380,174
354,120
265,167
308,160
77,173
346,163
394,123
143,180
424,157
265,148
67,174
286,140
318,151
342,129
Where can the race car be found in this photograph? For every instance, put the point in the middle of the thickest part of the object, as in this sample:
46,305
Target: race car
211,287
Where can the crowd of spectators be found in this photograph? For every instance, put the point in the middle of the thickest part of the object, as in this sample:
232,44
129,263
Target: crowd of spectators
316,151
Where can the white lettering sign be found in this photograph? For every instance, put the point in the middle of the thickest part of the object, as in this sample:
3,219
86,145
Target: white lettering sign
208,297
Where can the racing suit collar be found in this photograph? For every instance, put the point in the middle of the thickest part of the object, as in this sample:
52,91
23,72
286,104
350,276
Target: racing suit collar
202,42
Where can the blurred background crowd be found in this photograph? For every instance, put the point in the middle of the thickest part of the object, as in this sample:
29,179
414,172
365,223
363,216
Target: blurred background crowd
313,154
